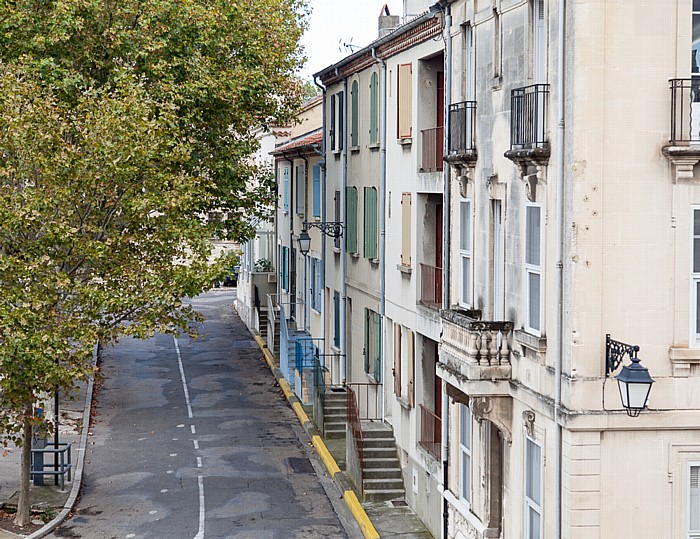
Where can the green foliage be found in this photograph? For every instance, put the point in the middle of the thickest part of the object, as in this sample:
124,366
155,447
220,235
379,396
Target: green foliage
121,125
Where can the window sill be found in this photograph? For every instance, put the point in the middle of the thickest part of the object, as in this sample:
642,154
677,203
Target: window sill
682,359
336,250
371,378
335,349
354,255
374,261
373,147
404,403
405,141
404,269
496,82
337,152
354,149
530,341
463,508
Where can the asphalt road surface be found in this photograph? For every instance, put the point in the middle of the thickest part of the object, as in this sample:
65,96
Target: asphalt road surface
194,440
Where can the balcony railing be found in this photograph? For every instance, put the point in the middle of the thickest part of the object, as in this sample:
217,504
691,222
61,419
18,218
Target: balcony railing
430,432
431,286
528,122
432,141
685,111
462,128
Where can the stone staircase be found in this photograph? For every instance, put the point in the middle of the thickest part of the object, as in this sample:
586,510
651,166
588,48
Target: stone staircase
335,413
381,475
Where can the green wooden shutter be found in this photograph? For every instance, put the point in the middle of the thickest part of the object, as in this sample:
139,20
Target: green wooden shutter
331,131
366,351
354,96
351,219
370,222
374,109
341,121
377,322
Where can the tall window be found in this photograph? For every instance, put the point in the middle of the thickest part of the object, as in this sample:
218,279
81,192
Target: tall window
373,341
405,101
316,268
340,138
397,359
351,219
300,181
336,319
695,50
693,501
370,223
539,42
354,113
285,188
465,453
374,109
465,250
338,217
695,277
497,44
406,229
316,182
468,62
533,489
533,268
331,128
284,268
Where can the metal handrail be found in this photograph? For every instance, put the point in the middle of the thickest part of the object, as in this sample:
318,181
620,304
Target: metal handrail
528,122
356,429
368,397
431,286
432,145
430,432
462,127
685,111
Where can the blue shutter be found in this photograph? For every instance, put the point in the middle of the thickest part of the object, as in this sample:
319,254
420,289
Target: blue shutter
285,188
317,190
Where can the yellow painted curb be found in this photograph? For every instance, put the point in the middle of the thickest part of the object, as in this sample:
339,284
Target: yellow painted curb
301,414
285,388
328,460
360,516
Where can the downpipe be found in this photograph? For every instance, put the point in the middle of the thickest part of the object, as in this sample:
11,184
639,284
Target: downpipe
343,258
322,164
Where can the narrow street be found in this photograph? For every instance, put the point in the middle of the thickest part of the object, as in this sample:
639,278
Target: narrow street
194,440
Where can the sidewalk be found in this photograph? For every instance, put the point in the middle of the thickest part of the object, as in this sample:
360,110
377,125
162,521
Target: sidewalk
376,519
50,504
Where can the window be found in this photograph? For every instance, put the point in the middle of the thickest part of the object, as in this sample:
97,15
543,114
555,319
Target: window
316,187
406,229
338,218
336,319
693,501
351,219
498,43
695,55
374,109
316,269
533,268
397,360
340,139
468,62
533,489
404,101
300,186
372,349
465,453
539,42
465,251
332,115
370,227
285,188
354,112
284,268
695,278
409,367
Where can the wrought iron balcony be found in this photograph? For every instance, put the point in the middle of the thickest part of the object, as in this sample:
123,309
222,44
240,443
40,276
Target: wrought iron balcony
432,145
431,286
683,149
476,350
461,136
528,120
430,432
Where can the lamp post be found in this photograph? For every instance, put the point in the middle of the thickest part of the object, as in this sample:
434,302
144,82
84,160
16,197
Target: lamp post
633,381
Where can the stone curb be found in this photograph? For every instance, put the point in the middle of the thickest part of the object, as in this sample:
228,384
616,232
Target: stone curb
80,461
339,477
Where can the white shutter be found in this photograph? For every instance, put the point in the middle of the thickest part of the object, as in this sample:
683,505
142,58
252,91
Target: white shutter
694,502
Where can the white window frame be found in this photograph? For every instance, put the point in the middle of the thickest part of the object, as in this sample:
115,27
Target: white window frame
694,284
465,454
534,269
465,253
690,534
529,503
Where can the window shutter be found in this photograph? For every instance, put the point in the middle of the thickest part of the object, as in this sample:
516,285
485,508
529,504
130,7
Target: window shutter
351,219
366,350
694,503
316,181
354,95
319,269
301,189
406,229
374,109
411,364
341,120
377,347
397,360
338,218
336,319
405,101
331,131
370,237
285,187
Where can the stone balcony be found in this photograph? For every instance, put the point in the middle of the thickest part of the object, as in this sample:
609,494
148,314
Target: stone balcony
475,354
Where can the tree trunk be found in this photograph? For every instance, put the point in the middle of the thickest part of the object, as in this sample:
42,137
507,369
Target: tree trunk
23,516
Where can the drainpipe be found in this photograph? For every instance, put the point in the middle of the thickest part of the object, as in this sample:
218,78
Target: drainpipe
560,206
322,164
382,212
446,205
290,209
343,248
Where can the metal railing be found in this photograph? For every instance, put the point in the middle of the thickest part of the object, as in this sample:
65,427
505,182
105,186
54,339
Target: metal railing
272,309
488,342
462,127
431,286
430,432
307,353
528,120
432,144
355,425
369,400
685,111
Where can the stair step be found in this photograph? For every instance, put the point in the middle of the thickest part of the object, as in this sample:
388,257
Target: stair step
334,434
382,473
379,452
372,443
383,494
374,462
377,433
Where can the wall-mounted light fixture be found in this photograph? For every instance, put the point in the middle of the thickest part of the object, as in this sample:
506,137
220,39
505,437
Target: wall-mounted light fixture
332,229
633,381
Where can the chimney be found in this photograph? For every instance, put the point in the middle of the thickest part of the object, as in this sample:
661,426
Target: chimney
387,22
